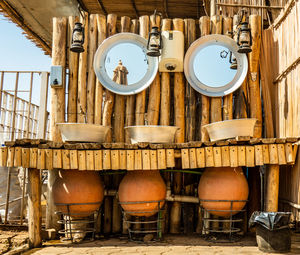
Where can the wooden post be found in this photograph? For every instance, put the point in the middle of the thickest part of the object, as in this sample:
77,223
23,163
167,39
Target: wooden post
216,102
82,75
130,100
204,23
165,85
190,37
73,75
141,97
7,194
241,98
119,108
272,190
253,79
213,8
188,213
43,115
92,46
101,25
109,96
34,208
266,72
14,107
154,91
227,100
179,110
57,111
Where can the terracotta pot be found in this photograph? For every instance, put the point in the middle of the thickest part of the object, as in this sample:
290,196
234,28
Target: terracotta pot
73,186
223,183
140,186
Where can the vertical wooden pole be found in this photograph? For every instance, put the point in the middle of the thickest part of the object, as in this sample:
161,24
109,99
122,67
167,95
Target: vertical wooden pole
154,91
15,107
165,86
57,111
141,97
23,195
204,23
119,121
58,94
43,114
34,208
241,98
213,8
165,115
271,201
101,26
179,110
1,90
107,120
7,194
130,100
90,107
82,74
190,37
29,108
109,96
227,100
73,76
216,102
119,108
253,79
266,72
188,213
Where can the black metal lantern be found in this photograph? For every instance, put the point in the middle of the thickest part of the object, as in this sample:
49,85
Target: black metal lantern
77,38
244,38
154,44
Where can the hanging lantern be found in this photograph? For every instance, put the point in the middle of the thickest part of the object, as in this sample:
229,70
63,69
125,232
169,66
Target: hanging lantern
154,44
77,38
244,38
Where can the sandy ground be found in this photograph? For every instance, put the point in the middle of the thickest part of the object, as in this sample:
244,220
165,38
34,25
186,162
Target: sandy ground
171,245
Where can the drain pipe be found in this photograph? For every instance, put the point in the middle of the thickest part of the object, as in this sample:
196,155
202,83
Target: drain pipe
169,197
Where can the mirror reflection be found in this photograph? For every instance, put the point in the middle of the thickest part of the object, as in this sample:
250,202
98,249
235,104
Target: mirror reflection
213,66
126,63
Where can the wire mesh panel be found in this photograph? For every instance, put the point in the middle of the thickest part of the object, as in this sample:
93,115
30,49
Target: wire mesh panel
144,228
77,226
222,229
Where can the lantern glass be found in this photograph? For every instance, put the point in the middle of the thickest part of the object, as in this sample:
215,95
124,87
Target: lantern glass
77,36
245,37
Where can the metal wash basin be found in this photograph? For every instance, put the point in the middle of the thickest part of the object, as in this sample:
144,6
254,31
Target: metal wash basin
230,128
83,132
152,134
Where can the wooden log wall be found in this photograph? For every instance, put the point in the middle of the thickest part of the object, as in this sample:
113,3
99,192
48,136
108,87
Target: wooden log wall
281,51
169,100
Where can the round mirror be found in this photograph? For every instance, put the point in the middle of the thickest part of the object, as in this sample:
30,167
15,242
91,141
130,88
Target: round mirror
213,66
122,66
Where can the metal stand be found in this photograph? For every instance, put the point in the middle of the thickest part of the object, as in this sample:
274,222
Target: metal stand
228,226
71,221
152,226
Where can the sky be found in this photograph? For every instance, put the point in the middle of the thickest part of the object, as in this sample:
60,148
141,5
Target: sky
17,53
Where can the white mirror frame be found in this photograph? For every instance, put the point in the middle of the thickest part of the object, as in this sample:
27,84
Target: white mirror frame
106,81
197,46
